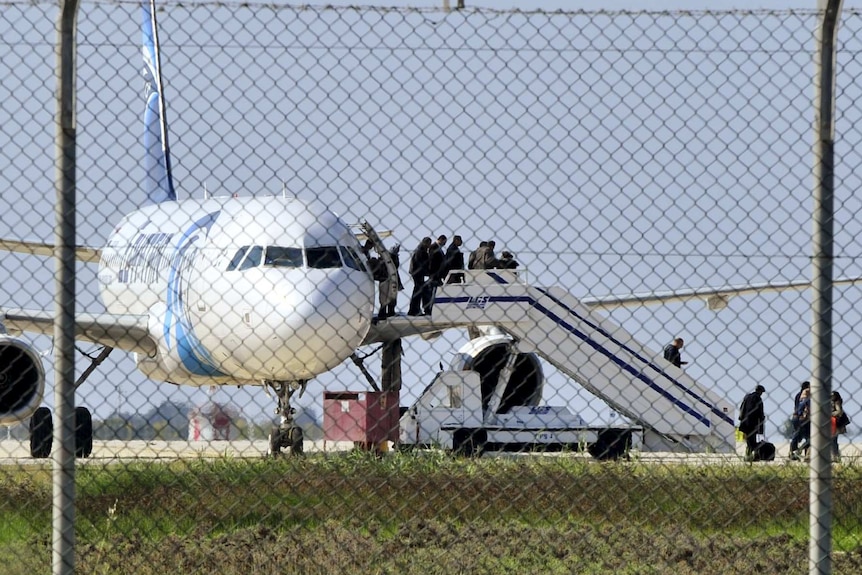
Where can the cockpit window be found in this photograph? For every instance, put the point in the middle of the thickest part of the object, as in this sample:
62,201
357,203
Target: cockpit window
253,258
351,259
236,258
248,257
322,258
283,257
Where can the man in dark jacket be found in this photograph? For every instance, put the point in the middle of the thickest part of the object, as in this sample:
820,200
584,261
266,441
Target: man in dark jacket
752,420
437,261
419,271
454,261
672,352
388,292
436,273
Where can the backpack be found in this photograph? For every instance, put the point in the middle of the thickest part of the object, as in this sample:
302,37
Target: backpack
844,420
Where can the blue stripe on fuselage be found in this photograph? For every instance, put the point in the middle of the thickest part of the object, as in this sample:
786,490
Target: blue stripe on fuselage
194,356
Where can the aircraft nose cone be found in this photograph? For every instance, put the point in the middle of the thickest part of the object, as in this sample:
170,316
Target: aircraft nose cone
320,326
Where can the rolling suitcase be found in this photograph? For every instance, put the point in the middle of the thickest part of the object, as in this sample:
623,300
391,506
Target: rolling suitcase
765,451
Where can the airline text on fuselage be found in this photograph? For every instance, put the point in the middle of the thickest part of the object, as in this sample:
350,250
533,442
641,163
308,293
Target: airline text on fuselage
145,258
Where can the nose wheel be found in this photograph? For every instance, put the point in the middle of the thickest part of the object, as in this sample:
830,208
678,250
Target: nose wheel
286,435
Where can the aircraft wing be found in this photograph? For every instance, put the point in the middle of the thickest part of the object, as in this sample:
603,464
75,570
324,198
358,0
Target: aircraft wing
362,236
82,254
715,298
126,332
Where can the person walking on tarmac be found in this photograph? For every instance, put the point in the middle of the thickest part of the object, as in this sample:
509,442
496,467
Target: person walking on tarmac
800,442
841,421
672,352
794,418
752,421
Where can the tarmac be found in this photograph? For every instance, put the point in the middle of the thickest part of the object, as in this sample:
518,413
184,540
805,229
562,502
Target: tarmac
17,452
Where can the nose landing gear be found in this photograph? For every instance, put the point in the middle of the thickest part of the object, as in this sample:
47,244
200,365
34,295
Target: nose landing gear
287,434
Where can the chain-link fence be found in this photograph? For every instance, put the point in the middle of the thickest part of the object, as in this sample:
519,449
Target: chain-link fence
500,408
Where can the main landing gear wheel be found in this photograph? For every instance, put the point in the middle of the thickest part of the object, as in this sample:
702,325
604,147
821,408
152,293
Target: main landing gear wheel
287,434
41,433
83,432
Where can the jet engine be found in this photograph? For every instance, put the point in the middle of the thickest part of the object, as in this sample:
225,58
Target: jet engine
22,380
498,362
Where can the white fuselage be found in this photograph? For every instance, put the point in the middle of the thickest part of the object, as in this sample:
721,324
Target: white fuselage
239,290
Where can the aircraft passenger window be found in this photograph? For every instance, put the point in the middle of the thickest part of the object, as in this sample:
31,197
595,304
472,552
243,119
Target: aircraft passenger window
236,258
255,254
322,258
283,257
351,259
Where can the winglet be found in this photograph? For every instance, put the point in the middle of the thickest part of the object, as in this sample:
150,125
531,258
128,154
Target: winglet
158,182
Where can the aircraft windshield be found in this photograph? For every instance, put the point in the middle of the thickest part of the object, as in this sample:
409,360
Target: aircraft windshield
351,258
248,257
283,257
234,262
252,260
322,258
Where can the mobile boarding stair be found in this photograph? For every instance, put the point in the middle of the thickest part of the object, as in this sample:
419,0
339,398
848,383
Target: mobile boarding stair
676,413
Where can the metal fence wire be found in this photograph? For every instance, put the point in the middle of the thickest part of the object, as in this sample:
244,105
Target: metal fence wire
259,392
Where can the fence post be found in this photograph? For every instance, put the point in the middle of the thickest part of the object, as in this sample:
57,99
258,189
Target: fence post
820,471
64,297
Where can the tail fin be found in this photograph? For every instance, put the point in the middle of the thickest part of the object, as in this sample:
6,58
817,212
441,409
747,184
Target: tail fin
158,182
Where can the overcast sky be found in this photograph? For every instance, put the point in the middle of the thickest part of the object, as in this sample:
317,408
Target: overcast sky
608,4
752,341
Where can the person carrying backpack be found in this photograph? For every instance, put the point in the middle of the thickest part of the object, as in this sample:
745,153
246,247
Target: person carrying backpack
752,420
840,421
802,425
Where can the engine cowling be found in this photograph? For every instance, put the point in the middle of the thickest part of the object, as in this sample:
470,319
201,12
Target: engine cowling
487,355
22,380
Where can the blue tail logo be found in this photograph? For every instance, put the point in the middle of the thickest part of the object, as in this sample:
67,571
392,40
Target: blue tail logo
158,183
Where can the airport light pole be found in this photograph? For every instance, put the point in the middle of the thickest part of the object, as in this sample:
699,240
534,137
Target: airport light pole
820,470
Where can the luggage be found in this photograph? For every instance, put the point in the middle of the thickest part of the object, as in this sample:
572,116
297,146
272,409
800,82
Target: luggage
765,451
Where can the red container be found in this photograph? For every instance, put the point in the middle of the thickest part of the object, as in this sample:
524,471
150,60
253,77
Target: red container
367,417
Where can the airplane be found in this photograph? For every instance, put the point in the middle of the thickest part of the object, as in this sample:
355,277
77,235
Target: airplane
270,291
